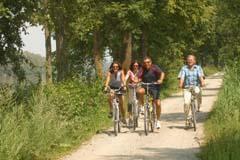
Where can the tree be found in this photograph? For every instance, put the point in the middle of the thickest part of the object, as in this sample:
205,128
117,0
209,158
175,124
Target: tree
14,14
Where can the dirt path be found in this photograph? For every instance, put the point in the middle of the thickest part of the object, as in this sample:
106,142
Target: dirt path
171,142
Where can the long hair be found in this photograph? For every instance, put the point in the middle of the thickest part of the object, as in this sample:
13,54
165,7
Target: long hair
132,65
111,66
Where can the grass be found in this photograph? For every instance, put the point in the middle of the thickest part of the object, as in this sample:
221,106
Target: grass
210,69
53,120
222,129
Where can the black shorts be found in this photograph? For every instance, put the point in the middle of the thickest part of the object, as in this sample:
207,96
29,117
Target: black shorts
155,92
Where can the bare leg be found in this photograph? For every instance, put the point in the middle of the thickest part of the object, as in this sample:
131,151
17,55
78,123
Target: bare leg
158,108
110,98
141,93
122,110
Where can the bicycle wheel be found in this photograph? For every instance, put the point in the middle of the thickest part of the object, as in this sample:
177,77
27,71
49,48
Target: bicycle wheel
153,118
116,121
135,116
194,121
146,119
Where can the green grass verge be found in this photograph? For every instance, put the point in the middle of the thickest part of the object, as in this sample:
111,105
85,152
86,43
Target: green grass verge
222,129
209,70
50,121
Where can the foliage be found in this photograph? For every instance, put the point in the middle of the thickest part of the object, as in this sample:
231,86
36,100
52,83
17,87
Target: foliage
12,23
53,119
223,126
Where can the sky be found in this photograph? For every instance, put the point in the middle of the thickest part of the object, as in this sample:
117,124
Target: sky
34,41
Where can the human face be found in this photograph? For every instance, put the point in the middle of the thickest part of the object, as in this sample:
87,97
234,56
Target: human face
115,67
191,61
135,66
147,63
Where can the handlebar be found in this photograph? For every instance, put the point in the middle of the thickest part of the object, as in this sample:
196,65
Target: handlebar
118,90
148,84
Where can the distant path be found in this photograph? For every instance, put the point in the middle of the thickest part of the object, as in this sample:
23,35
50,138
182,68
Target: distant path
171,142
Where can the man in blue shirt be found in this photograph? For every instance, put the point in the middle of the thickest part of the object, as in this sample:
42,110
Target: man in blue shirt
191,75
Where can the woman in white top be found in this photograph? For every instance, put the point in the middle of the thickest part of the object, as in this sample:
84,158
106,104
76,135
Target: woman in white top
132,78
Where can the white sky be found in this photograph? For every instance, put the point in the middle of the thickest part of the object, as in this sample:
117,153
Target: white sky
34,41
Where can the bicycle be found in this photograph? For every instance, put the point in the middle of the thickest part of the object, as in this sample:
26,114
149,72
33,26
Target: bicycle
134,107
116,112
150,115
193,107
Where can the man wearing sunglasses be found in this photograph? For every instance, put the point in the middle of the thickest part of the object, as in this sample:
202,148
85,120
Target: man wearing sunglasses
152,74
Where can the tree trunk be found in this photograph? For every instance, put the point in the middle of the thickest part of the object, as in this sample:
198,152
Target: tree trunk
143,47
61,55
48,54
97,54
127,41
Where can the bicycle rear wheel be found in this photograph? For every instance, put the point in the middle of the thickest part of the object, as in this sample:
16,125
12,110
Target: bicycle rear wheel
194,121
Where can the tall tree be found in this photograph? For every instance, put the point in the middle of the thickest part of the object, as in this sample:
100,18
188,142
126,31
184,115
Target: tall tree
14,15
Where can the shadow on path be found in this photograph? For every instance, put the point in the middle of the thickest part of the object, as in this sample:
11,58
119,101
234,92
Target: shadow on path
158,154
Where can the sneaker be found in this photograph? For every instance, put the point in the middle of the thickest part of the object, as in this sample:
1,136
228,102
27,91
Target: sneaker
198,108
188,122
110,114
158,125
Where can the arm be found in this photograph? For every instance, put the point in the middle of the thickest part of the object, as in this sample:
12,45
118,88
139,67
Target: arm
201,76
181,77
123,79
181,81
202,81
126,77
160,81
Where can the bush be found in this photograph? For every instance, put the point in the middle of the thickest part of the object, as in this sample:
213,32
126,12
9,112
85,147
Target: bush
223,127
55,118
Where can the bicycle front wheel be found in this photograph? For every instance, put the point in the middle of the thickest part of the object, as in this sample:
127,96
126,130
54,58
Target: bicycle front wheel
146,120
116,121
193,108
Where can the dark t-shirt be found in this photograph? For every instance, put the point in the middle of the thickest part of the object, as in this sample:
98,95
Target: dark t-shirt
151,75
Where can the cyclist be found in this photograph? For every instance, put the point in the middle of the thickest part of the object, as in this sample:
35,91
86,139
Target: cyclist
191,75
115,80
152,74
132,78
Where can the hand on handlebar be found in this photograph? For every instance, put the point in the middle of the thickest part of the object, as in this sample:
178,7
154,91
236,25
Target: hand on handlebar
159,81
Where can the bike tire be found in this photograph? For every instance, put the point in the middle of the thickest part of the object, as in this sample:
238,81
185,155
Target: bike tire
153,118
135,115
193,108
146,120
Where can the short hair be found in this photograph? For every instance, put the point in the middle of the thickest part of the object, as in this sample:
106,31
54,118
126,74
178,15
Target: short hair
147,57
111,66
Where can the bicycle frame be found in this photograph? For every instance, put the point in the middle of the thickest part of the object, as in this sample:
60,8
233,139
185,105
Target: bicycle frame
193,106
116,111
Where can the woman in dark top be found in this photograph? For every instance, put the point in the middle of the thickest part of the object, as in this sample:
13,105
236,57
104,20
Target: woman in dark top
116,79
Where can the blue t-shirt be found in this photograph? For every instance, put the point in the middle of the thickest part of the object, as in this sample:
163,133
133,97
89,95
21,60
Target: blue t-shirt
191,76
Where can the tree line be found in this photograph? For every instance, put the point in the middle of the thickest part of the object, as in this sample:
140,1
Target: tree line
85,30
